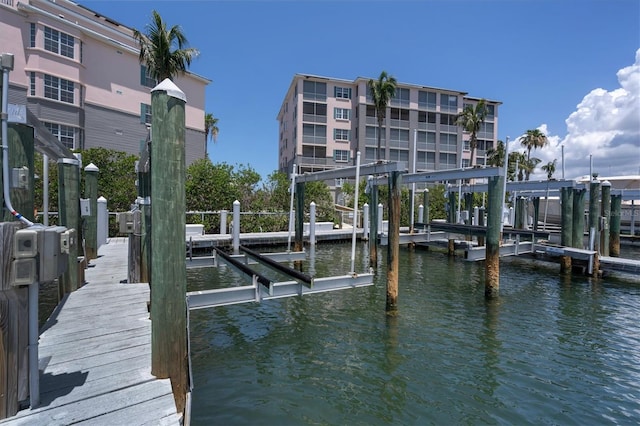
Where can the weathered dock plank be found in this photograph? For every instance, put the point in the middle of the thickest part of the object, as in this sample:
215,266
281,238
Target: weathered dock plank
95,354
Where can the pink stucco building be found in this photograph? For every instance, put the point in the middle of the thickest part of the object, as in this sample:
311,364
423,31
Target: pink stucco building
79,73
325,121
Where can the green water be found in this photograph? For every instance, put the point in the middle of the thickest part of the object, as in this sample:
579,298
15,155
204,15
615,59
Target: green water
549,350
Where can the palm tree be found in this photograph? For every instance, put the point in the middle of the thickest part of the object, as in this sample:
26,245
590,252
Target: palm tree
210,131
550,168
533,139
528,166
516,158
381,91
471,119
495,156
164,51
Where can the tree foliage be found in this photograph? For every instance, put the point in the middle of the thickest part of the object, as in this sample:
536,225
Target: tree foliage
471,119
381,90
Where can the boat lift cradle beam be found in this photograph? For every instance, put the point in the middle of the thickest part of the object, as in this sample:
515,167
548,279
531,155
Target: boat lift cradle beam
444,175
278,266
378,168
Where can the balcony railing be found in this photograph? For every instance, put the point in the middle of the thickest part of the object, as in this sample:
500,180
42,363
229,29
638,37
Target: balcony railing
316,140
312,118
7,2
399,123
427,126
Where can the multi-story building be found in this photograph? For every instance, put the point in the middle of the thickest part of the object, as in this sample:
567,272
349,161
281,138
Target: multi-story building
79,73
324,122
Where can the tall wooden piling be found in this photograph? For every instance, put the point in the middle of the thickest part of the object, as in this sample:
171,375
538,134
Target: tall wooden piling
91,192
468,204
425,204
594,211
494,213
298,242
536,211
566,225
168,269
373,226
69,216
393,249
451,212
144,204
521,213
577,230
614,227
605,213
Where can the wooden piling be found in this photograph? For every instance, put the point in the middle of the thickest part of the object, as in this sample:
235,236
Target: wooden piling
451,212
298,242
521,213
91,192
605,213
425,204
481,223
494,213
373,226
577,230
614,227
566,225
536,211
69,216
144,194
168,269
393,248
594,212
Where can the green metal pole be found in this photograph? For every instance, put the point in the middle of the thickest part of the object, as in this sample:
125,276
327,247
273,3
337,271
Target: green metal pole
566,224
144,192
168,269
20,138
451,213
605,211
69,216
393,249
614,240
373,226
494,213
577,232
91,192
298,243
468,202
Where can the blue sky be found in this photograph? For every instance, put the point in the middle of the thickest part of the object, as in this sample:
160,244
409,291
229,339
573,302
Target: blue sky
568,67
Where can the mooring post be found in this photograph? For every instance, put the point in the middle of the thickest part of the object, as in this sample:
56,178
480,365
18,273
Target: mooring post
605,212
481,223
393,249
594,211
235,227
536,211
451,216
168,269
143,238
468,203
420,213
223,221
298,243
521,213
614,228
69,216
312,224
492,256
365,221
91,192
373,223
380,219
425,203
577,231
566,225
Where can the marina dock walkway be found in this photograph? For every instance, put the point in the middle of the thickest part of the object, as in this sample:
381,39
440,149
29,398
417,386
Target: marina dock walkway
95,354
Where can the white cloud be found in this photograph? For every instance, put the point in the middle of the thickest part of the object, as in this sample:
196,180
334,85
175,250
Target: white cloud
605,125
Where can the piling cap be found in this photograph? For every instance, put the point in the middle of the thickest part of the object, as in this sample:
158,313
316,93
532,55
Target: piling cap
606,183
91,168
172,90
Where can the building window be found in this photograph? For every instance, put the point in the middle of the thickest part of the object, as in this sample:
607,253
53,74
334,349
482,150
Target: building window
314,90
32,83
65,134
448,119
58,89
342,113
341,134
342,92
448,161
341,155
398,155
310,109
314,133
57,42
448,142
427,100
32,32
448,102
81,53
145,114
401,97
491,112
145,78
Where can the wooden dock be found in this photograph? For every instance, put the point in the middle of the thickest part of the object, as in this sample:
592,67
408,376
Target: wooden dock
95,354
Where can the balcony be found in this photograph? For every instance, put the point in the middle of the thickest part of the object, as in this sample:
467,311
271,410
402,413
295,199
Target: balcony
403,124
427,126
312,118
314,140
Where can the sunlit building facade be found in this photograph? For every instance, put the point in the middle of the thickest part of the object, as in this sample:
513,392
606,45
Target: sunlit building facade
324,122
79,73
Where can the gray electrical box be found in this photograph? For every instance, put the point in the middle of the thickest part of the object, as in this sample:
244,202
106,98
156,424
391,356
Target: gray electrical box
85,207
24,271
25,243
125,222
53,261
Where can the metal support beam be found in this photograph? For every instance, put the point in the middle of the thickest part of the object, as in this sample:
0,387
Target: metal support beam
279,267
379,168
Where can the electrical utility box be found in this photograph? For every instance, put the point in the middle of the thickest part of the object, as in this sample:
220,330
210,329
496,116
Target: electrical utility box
85,206
40,254
125,222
